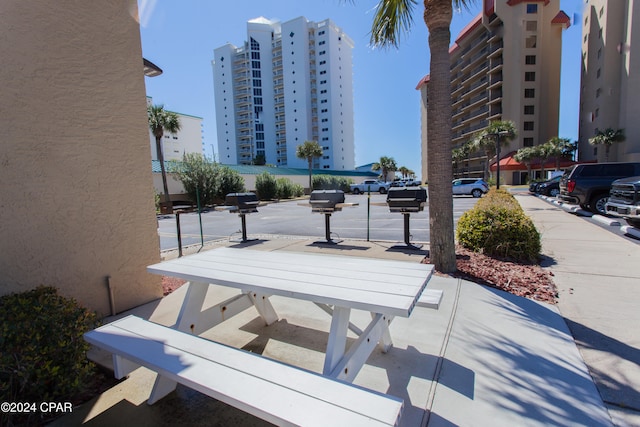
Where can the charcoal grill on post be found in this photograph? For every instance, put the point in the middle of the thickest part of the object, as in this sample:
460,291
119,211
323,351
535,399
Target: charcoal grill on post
242,204
328,202
407,200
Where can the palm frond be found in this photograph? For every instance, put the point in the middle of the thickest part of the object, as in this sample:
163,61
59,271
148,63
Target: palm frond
392,19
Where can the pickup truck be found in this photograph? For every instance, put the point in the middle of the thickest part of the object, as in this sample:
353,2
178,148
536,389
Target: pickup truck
372,185
624,200
588,184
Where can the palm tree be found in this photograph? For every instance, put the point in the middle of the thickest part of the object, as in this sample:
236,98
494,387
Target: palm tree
393,18
386,165
309,150
560,147
496,135
607,137
404,171
161,121
526,155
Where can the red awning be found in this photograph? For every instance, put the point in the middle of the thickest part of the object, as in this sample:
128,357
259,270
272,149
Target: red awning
508,163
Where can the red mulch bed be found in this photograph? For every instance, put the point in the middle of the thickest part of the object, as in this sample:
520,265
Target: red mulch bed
170,284
522,279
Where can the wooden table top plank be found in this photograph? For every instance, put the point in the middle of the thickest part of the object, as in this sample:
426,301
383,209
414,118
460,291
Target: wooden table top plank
327,260
244,377
380,302
325,264
387,283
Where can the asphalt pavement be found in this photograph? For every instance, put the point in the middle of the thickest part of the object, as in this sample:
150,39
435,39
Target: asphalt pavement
294,218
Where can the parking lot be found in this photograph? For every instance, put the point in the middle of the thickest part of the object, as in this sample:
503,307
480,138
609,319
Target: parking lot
294,218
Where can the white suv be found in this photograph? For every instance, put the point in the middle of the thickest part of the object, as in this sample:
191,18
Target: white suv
475,187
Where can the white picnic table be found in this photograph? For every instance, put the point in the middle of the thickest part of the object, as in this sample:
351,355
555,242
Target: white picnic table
337,284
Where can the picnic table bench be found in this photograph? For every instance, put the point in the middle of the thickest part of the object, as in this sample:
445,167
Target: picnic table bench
271,390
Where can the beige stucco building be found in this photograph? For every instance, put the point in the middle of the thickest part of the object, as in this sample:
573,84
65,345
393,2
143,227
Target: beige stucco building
610,84
505,65
77,201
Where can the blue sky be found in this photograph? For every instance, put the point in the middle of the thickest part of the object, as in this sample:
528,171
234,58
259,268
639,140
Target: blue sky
180,36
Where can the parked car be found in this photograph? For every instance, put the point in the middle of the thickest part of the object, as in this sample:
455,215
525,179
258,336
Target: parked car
398,184
550,187
372,185
588,184
411,182
475,187
624,200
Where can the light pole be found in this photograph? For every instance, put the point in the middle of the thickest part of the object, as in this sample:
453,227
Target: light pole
497,135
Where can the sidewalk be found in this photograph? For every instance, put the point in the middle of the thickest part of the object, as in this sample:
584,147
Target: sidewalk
485,357
598,278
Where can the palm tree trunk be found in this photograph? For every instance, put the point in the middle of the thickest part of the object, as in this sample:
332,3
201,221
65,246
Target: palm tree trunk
310,184
438,14
165,186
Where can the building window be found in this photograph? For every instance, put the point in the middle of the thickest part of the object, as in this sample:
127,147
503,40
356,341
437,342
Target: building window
597,113
256,73
255,64
528,125
530,60
599,53
598,92
531,42
530,76
527,142
323,72
532,8
257,92
528,109
600,33
531,25
529,93
601,12
255,55
322,52
598,73
320,43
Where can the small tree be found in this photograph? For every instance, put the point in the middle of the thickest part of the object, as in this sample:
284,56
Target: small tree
198,176
205,180
385,165
497,133
161,121
526,155
559,148
607,138
309,150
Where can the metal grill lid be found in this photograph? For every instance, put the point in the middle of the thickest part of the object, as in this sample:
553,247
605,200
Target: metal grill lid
416,195
326,198
241,200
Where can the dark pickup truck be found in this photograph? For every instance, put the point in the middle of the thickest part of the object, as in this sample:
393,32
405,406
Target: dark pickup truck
624,200
588,184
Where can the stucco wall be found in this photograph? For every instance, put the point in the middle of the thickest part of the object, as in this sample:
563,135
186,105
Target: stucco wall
76,202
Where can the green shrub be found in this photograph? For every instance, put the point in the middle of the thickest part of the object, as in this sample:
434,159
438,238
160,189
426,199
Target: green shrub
266,186
497,226
288,189
43,355
229,181
329,182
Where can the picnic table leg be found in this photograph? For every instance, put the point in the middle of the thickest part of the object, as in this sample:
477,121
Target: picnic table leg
161,388
192,306
337,338
264,307
350,364
385,335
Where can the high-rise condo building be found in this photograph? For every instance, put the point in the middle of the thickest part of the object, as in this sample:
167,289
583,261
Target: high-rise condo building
290,82
505,65
610,84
